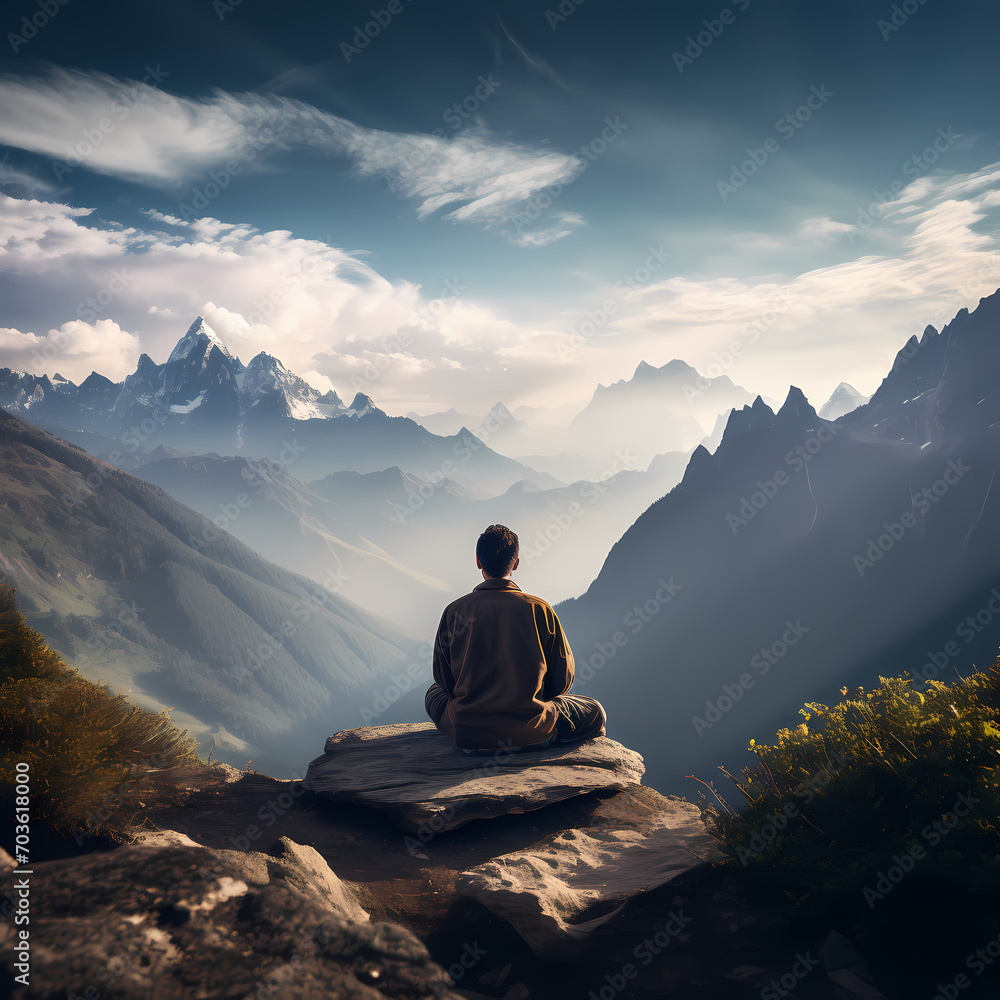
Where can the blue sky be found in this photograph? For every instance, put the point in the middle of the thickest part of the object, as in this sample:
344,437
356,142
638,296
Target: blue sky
609,189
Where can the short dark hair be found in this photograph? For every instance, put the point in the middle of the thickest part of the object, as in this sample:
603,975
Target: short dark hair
497,550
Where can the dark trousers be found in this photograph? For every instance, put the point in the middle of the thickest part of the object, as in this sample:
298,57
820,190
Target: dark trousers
580,717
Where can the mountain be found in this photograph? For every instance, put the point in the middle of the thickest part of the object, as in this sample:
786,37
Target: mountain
203,399
845,398
141,592
565,532
805,554
289,523
197,344
447,422
404,541
657,410
505,432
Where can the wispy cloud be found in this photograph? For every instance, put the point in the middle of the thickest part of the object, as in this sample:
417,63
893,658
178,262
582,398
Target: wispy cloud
939,251
338,322
15,181
82,283
563,225
140,132
120,127
823,230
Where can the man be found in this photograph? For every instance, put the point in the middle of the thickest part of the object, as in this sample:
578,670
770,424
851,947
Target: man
502,665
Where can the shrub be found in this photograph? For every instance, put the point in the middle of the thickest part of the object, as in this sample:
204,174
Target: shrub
843,795
96,762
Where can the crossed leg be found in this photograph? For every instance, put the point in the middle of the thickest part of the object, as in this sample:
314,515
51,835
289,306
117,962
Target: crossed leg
580,717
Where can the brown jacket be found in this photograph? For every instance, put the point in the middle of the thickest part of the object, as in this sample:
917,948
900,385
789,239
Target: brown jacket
501,656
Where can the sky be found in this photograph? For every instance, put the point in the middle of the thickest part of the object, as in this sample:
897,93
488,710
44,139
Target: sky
449,204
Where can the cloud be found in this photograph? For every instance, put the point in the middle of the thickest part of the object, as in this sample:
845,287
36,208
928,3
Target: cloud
10,177
136,131
41,236
488,177
75,349
841,322
324,312
565,223
125,128
330,316
823,230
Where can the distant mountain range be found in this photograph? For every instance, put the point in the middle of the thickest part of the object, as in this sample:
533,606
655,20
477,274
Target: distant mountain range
313,484
656,411
202,399
403,541
805,554
313,529
509,428
798,553
143,593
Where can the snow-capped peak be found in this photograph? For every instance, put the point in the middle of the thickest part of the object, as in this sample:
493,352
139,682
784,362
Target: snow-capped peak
266,375
360,406
845,398
266,361
198,333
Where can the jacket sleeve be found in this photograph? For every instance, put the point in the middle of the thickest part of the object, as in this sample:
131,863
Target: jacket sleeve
559,663
441,660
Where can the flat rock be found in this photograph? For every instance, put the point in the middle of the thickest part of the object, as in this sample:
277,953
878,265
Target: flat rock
413,773
633,842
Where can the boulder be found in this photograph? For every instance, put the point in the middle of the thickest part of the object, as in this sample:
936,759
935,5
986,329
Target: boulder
412,773
633,842
170,919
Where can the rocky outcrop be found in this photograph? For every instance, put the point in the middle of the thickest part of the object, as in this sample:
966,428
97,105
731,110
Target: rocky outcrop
414,774
567,843
632,842
556,886
168,918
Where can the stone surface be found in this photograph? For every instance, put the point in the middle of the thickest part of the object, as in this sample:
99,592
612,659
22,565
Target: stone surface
413,773
633,842
169,919
304,868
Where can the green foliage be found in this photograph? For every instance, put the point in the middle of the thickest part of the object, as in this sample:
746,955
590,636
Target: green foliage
96,762
833,803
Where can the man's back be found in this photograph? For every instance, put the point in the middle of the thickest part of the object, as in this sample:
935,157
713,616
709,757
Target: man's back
501,656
